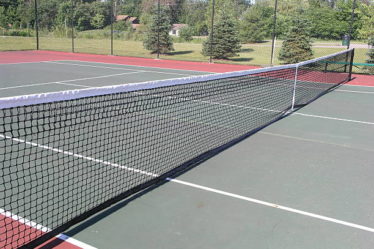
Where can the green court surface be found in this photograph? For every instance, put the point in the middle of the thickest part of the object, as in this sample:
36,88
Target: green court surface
302,182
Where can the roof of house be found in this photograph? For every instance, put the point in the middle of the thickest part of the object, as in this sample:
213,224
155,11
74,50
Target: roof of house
122,17
132,19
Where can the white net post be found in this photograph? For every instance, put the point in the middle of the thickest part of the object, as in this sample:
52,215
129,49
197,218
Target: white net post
294,88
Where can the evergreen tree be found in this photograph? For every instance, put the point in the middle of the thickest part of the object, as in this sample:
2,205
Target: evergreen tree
256,22
186,34
225,41
159,29
367,28
194,14
3,18
370,55
297,46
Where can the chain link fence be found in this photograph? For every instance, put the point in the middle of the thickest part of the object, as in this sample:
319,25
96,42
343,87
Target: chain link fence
116,27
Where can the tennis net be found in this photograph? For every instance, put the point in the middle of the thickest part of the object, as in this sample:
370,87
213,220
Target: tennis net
66,156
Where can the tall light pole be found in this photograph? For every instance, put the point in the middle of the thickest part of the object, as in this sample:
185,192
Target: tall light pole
212,32
111,25
72,25
274,32
36,23
158,28
351,24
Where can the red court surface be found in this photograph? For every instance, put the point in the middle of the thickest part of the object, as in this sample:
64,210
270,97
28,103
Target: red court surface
11,227
362,80
35,56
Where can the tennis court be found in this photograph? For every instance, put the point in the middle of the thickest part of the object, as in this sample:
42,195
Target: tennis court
304,180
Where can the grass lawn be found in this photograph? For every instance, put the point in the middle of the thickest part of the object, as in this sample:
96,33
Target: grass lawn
251,54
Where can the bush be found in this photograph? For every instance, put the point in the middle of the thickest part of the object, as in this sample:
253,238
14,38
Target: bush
200,29
17,32
134,36
370,54
297,46
186,34
61,32
98,21
121,26
255,23
157,39
225,42
94,34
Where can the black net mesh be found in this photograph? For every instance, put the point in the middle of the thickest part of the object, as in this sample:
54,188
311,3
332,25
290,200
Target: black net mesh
318,77
63,161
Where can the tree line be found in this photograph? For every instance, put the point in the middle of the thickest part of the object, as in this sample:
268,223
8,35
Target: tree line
328,19
235,21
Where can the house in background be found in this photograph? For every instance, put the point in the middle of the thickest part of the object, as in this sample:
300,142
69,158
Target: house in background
127,18
122,18
134,21
176,28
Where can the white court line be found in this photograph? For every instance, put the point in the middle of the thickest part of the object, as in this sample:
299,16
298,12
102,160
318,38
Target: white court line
65,81
357,85
146,71
116,68
348,91
59,62
26,62
273,205
71,84
192,100
36,84
73,241
313,141
212,102
83,65
44,229
107,63
331,118
79,156
217,191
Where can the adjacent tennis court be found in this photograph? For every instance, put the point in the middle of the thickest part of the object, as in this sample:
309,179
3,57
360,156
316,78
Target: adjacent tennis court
303,180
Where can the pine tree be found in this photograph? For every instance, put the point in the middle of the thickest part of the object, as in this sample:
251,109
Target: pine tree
255,23
370,54
225,42
159,26
297,46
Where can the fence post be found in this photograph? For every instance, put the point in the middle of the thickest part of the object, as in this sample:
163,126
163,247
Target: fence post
36,23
